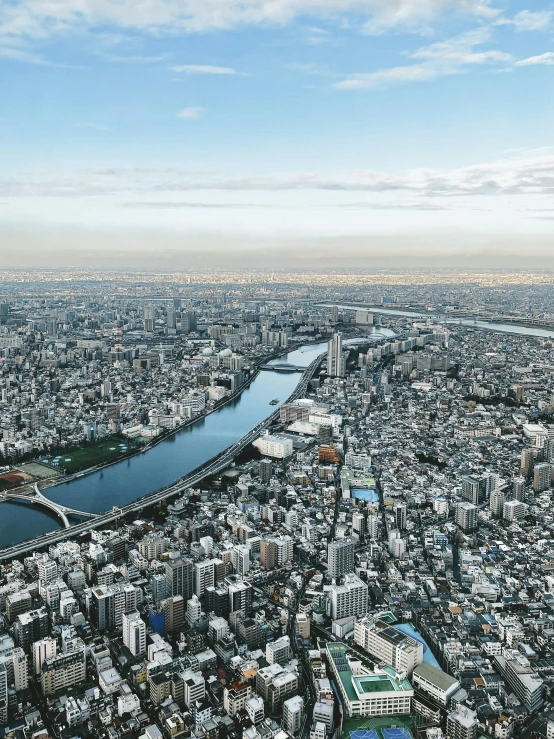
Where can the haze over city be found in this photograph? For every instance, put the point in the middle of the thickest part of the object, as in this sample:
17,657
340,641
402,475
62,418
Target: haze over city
270,132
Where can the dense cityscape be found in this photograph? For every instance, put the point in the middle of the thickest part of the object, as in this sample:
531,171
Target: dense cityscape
276,506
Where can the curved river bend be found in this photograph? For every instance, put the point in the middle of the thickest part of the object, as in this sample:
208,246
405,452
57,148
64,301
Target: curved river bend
125,481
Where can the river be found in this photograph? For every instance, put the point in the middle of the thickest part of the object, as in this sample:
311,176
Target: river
125,481
506,328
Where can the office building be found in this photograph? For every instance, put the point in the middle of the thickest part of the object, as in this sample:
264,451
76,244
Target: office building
64,670
465,516
514,510
461,724
47,569
255,709
235,697
278,651
241,559
525,682
174,613
266,471
179,577
542,477
3,695
293,714
149,317
340,557
335,359
30,627
42,650
472,490
496,504
240,595
134,633
270,445
400,513
20,669
349,598
194,611
203,576
518,488
189,322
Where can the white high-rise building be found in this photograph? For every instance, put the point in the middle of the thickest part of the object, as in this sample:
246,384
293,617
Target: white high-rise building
20,669
335,358
241,559
47,569
387,644
293,714
3,695
348,599
203,576
496,504
194,610
134,633
514,510
340,557
278,651
42,650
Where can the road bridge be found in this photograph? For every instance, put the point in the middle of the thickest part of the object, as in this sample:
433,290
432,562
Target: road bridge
37,498
212,467
281,367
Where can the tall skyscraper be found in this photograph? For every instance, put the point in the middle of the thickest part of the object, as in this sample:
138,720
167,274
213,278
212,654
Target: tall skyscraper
170,316
134,633
188,321
497,501
149,317
518,488
542,477
400,515
3,695
266,471
335,359
466,516
179,577
340,557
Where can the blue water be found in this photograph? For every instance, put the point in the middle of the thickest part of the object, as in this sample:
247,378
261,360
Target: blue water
370,496
125,481
428,655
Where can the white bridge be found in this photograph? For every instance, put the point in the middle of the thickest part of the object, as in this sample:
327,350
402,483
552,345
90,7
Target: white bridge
36,497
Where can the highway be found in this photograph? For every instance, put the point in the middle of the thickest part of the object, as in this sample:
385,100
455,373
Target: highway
211,467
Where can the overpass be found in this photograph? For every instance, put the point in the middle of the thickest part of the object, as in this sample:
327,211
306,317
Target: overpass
281,367
37,498
212,467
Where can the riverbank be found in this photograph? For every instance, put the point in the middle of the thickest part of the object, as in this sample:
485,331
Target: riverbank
178,484
164,436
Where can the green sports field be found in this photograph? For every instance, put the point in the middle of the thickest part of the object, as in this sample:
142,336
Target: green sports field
90,455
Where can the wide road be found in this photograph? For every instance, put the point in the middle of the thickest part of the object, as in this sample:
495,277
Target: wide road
184,483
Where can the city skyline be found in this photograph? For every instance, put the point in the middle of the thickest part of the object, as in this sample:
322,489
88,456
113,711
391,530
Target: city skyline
276,131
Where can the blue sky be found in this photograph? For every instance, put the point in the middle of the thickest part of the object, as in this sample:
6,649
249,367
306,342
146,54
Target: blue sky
202,124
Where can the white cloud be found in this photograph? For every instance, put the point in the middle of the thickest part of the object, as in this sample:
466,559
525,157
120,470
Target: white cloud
202,69
190,113
547,58
41,18
528,174
528,20
437,60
